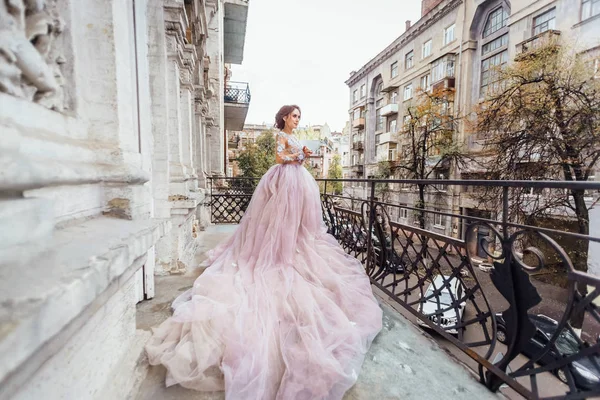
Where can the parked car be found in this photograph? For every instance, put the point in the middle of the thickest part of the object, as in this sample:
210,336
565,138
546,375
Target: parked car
443,301
356,238
585,373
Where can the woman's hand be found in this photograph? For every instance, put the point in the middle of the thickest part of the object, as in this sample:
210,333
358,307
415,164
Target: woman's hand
307,151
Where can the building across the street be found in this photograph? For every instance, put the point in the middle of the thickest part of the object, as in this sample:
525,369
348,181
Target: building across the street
455,45
319,138
238,141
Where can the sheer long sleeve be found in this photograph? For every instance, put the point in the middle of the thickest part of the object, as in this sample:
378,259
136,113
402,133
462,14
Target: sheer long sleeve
287,153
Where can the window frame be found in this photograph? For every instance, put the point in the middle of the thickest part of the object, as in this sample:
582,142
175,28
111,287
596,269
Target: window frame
408,87
409,58
427,79
497,26
446,30
439,221
502,54
428,45
378,120
394,69
549,26
591,4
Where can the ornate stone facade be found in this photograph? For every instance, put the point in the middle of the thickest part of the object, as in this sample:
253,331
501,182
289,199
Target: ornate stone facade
108,114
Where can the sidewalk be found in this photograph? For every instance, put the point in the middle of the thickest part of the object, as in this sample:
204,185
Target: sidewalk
403,363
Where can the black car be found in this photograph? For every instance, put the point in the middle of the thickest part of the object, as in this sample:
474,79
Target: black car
585,373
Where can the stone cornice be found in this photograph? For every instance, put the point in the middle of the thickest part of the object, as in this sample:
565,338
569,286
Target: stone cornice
414,31
176,19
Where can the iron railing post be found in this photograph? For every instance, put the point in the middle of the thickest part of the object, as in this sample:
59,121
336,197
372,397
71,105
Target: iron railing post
371,221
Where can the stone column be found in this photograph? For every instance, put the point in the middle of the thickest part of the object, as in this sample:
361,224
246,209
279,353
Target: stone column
215,125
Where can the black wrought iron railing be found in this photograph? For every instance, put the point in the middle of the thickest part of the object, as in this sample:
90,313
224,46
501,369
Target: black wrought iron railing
525,314
237,92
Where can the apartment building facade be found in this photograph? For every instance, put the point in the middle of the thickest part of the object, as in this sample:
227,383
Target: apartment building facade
455,45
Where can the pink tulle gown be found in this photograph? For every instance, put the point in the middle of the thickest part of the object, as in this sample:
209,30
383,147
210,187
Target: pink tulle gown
282,312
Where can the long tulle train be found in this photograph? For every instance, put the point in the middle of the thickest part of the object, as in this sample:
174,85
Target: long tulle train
282,312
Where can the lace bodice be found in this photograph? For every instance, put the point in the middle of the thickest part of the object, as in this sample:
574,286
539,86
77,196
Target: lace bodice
289,149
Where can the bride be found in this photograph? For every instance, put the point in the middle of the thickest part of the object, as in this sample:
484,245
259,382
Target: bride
281,312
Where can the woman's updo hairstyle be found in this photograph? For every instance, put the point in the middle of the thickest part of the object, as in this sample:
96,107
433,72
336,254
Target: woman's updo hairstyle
284,112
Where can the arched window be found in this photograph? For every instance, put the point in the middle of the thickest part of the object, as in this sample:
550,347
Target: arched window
494,49
495,21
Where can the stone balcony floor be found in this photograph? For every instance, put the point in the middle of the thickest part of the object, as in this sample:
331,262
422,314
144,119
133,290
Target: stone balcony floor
403,363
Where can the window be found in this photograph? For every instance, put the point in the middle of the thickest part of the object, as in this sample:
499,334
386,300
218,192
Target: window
379,88
496,21
442,68
394,97
356,114
449,34
379,103
408,59
590,8
394,69
403,211
391,155
426,49
439,220
408,91
426,83
379,119
489,76
363,91
441,175
355,96
377,141
406,121
392,125
544,22
494,44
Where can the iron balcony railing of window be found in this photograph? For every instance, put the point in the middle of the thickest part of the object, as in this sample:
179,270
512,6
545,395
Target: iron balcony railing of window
237,92
506,291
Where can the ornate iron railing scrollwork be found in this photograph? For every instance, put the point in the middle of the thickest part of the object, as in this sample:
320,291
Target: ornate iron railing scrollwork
422,270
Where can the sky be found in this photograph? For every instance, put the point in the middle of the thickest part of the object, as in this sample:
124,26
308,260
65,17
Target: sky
302,51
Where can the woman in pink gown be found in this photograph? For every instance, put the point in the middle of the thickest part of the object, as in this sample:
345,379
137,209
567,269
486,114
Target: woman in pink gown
281,312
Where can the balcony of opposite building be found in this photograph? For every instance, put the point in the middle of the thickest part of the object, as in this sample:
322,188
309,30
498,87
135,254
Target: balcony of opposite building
237,100
234,26
387,137
358,123
528,48
389,109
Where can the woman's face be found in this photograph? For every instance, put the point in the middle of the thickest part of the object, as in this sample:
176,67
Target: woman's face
292,119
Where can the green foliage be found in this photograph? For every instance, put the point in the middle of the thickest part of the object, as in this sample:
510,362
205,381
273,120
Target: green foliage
384,171
307,134
335,172
255,160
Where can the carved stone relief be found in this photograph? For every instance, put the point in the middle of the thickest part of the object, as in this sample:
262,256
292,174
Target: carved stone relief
30,63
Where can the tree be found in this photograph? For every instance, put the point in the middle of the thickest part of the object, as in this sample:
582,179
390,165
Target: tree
541,121
307,134
428,146
257,158
335,172
384,171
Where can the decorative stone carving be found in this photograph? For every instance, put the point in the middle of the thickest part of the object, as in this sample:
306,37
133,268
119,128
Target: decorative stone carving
29,63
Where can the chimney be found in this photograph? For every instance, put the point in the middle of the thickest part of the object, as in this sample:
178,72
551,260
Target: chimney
428,5
408,25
